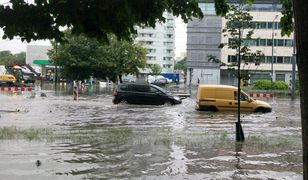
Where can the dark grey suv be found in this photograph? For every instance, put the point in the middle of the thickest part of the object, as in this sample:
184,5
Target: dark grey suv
148,94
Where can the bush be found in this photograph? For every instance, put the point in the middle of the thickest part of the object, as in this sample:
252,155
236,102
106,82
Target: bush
280,85
267,84
262,84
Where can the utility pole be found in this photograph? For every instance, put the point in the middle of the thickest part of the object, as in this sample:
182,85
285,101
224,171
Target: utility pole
56,68
293,67
239,133
272,64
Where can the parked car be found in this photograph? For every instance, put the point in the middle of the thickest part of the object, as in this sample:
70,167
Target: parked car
160,82
223,97
147,94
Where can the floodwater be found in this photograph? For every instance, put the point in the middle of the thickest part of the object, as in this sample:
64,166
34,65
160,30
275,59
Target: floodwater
55,137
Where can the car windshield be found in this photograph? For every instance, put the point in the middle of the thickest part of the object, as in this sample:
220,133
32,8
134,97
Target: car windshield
159,88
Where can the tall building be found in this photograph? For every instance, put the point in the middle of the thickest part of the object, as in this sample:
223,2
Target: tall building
205,35
159,42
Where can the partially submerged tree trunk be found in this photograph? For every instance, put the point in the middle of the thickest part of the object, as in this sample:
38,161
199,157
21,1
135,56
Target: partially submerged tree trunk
300,8
120,78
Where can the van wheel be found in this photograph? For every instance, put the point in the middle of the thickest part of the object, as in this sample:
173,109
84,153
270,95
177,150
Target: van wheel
260,110
212,109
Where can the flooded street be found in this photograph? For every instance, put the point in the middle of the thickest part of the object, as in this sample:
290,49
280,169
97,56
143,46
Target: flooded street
55,137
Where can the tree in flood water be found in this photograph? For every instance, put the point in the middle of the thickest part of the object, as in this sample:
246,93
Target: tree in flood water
239,27
81,57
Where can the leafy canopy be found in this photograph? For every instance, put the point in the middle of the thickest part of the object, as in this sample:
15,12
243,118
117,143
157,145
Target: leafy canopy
44,19
7,58
81,57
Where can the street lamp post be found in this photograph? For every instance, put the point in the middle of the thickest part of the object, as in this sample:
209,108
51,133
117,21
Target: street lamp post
272,64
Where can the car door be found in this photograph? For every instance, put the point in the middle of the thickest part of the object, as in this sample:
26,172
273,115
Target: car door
139,94
246,105
158,97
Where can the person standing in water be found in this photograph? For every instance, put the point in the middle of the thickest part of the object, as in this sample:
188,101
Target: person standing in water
75,93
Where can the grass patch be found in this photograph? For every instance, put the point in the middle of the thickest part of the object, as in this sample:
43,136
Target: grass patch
215,140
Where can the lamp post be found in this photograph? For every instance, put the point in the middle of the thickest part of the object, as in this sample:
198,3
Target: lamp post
272,64
293,67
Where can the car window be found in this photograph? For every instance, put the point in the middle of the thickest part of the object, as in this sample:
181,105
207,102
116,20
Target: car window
159,88
141,88
124,87
154,90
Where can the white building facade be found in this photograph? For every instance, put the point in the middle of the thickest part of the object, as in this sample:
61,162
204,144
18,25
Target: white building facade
205,35
160,43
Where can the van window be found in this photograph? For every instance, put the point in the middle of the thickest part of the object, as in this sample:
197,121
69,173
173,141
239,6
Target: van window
243,97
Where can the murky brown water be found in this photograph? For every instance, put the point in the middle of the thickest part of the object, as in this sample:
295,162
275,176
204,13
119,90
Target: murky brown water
94,139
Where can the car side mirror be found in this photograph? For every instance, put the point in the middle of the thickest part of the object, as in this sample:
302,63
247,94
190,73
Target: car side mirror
249,100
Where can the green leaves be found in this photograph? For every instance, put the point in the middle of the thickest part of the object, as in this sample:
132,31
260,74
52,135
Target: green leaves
44,19
81,57
286,21
155,69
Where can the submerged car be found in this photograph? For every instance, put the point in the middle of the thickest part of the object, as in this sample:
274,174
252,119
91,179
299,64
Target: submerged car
223,97
146,94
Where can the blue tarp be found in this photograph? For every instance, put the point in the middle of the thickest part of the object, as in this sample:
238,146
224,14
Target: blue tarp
173,76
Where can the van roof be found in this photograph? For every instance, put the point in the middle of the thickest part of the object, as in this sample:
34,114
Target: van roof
213,86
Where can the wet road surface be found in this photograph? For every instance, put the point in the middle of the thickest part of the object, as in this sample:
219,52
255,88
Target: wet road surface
55,137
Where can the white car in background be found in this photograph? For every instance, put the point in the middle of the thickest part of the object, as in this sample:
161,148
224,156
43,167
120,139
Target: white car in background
152,79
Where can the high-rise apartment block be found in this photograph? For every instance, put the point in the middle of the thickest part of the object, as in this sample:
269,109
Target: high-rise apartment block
159,42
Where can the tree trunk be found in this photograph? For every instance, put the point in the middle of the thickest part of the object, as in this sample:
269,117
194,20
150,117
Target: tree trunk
120,78
301,30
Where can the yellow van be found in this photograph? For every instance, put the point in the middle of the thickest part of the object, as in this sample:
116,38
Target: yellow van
224,98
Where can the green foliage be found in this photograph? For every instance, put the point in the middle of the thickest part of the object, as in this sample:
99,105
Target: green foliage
181,65
267,84
286,22
6,58
43,19
155,69
81,57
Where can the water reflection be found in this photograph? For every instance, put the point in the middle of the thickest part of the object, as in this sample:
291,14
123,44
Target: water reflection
94,139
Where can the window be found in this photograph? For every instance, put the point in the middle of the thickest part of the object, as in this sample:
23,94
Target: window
262,42
279,59
288,43
280,77
280,42
287,60
269,25
153,90
243,97
269,42
141,88
262,25
169,35
232,59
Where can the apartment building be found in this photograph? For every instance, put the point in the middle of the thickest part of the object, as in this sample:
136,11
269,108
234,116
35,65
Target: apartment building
160,43
205,35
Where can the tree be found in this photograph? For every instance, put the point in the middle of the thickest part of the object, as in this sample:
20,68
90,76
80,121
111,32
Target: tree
44,19
181,65
81,57
298,9
6,58
239,27
155,69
